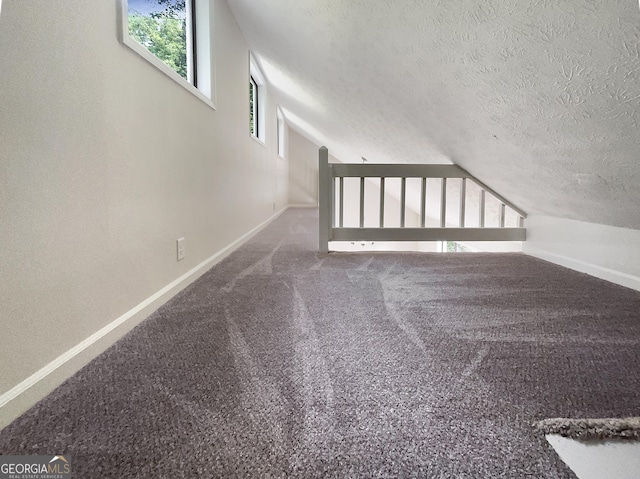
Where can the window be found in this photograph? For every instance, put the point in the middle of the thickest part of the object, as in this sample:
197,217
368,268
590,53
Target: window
280,124
174,36
257,95
165,28
253,106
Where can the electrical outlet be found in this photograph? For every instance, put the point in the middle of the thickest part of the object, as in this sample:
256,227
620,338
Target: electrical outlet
180,248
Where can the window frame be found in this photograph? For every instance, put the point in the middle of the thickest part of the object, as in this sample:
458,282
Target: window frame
254,106
279,133
200,62
192,42
260,106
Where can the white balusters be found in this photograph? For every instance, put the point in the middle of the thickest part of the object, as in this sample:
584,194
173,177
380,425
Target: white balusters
443,203
333,208
463,199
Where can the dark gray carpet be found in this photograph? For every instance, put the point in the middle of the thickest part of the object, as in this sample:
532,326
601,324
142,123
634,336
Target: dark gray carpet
280,363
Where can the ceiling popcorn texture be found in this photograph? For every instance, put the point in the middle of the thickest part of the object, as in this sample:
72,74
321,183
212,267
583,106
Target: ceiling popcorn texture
539,100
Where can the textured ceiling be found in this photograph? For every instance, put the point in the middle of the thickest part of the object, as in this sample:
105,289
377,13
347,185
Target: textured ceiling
540,99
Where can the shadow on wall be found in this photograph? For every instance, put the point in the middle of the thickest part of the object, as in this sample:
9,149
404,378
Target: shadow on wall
303,170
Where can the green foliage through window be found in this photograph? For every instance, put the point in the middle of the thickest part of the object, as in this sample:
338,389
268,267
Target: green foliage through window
164,35
455,247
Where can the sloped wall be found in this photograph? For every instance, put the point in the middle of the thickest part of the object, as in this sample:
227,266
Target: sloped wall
104,163
537,99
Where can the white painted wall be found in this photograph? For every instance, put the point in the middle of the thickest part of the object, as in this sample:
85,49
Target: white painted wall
104,163
607,252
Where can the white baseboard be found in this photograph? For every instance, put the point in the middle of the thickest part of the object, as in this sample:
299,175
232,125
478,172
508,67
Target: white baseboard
602,272
135,315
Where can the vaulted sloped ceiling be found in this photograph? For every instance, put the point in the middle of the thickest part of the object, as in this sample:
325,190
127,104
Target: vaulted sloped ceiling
540,99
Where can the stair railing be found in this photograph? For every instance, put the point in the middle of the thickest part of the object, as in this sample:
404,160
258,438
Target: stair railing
330,231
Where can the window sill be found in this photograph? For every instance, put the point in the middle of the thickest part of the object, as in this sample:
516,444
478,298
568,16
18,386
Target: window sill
160,65
258,140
